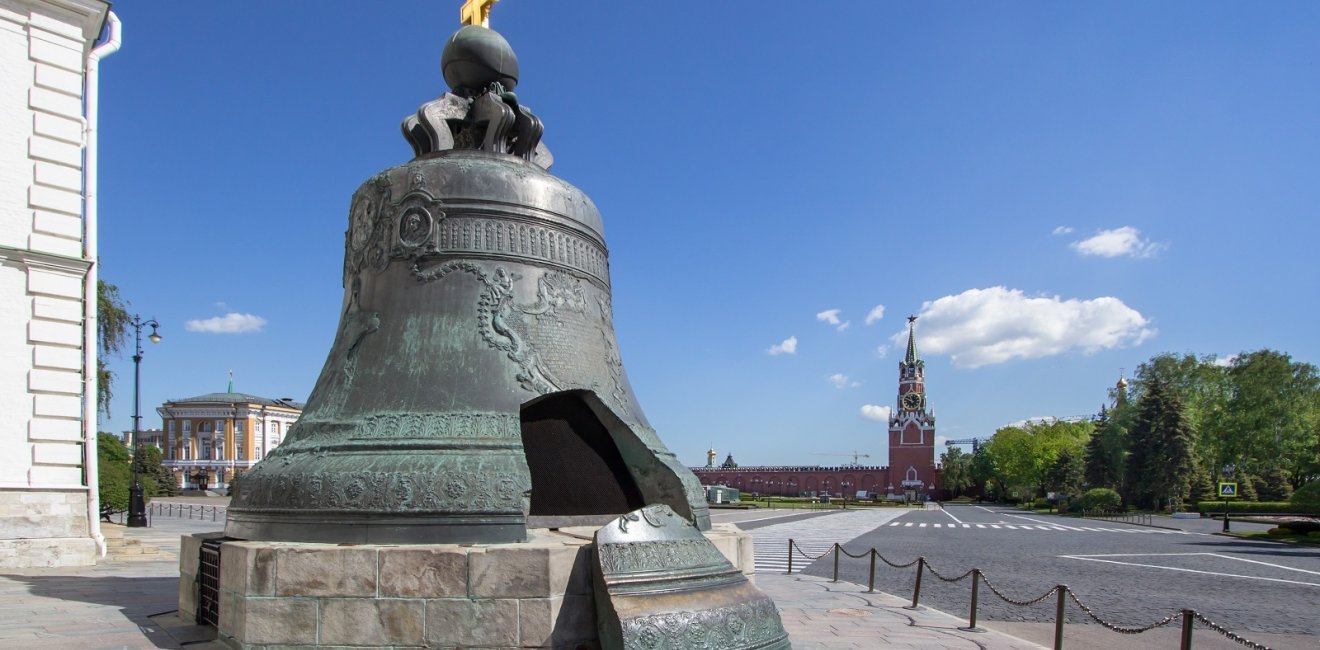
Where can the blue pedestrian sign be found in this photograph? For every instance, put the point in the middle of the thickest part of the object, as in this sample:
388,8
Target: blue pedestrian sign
1227,490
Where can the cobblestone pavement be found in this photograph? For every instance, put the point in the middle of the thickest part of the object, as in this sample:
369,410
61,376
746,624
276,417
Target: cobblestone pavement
1265,591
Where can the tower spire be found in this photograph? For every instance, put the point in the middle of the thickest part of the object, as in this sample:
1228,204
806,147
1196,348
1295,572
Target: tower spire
231,382
911,357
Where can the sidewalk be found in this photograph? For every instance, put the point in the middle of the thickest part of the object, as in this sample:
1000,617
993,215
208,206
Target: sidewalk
112,605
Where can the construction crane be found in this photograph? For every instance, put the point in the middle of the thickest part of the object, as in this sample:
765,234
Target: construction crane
855,455
974,442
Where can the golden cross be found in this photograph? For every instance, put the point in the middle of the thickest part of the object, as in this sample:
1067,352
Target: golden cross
476,12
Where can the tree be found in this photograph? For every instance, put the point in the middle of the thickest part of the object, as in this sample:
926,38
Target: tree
1201,386
1106,452
1273,414
1160,460
113,474
156,480
956,470
985,475
1066,475
112,324
1024,454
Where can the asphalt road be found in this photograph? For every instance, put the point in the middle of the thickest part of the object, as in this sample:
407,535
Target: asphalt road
1128,575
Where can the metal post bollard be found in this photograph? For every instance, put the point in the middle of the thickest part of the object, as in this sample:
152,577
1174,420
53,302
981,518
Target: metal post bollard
213,509
870,583
790,557
1187,629
976,588
836,562
1058,617
916,589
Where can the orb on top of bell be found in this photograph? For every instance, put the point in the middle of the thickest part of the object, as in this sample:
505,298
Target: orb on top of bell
475,57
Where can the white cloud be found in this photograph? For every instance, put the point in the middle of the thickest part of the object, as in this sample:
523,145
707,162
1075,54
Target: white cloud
1063,230
840,380
882,351
877,312
984,326
231,323
1224,362
1119,242
788,346
877,413
831,316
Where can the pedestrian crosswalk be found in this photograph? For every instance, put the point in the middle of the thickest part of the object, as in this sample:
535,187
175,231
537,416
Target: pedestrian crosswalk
813,537
1032,527
816,536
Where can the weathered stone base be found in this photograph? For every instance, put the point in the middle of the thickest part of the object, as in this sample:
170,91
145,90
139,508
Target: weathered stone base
536,594
45,528
49,552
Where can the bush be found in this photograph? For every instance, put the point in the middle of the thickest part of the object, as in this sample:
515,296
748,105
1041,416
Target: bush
1315,534
1040,503
1308,495
1302,527
1254,508
1278,532
1101,499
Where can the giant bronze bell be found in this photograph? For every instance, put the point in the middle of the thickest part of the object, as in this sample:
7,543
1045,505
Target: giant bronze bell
474,387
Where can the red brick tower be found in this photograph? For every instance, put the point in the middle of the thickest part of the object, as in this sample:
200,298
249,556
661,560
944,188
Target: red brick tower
912,427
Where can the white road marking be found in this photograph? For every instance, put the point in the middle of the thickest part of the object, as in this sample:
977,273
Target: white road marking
946,511
1091,558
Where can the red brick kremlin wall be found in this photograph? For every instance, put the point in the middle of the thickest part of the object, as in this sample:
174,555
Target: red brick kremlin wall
797,480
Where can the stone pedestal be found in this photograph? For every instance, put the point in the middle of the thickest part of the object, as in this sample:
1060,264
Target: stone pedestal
536,594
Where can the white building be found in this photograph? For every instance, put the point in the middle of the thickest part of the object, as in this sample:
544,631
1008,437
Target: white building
48,73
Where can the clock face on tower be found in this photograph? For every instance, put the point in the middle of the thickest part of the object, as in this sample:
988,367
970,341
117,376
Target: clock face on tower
911,400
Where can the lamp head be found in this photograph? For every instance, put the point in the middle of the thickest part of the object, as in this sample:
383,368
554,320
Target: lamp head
154,336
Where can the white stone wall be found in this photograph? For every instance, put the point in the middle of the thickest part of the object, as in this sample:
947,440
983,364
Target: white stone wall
44,498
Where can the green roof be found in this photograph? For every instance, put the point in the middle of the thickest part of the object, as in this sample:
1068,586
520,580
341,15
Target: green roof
237,398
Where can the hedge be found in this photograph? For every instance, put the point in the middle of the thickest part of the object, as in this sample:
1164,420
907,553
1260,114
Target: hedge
1254,507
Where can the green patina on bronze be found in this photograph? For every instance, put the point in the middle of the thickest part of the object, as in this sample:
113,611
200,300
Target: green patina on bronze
476,289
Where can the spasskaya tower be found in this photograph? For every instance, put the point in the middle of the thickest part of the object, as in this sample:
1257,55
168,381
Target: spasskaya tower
912,426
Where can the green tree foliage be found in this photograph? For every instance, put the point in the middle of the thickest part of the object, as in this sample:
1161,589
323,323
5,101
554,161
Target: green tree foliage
956,470
1203,487
985,476
1161,465
1247,488
113,474
1273,415
112,324
1308,495
1066,475
1106,452
1201,386
1276,485
1023,455
156,480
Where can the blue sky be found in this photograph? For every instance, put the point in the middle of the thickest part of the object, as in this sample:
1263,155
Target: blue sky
1059,190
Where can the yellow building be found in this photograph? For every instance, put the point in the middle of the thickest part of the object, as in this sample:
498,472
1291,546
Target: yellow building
211,438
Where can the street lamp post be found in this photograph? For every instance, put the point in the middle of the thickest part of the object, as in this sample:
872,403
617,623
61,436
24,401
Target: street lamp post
137,505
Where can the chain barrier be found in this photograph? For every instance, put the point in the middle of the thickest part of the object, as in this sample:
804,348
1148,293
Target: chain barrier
1236,638
897,566
1063,593
1019,603
937,574
808,555
1118,628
